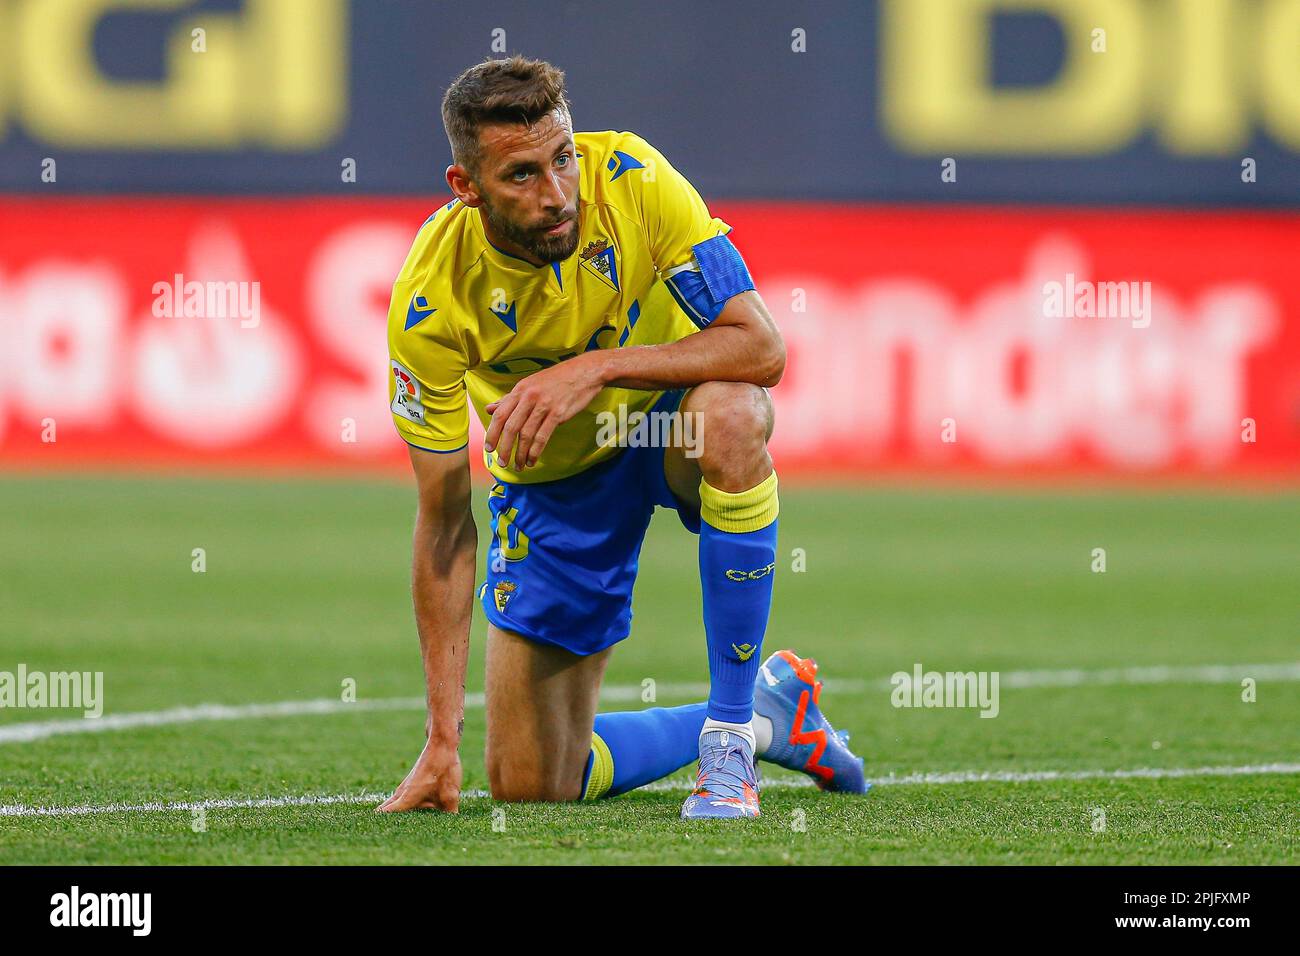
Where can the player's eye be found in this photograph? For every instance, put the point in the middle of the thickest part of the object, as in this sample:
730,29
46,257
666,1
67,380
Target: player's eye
520,176
562,159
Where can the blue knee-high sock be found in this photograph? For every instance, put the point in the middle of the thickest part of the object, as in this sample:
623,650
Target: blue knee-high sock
737,561
633,748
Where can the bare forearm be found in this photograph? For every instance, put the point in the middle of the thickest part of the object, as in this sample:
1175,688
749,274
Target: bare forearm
742,345
442,584
708,356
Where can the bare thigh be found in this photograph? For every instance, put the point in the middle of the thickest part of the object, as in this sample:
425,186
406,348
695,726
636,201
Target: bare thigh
541,705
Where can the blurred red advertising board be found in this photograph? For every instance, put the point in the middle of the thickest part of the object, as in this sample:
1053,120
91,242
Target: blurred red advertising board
928,340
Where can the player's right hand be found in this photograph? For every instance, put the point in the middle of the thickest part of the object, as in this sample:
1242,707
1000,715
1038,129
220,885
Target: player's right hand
432,784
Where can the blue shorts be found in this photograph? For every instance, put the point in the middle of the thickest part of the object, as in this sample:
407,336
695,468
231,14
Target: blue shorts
563,555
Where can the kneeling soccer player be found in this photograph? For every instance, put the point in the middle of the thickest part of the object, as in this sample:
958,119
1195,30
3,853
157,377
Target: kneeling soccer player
577,280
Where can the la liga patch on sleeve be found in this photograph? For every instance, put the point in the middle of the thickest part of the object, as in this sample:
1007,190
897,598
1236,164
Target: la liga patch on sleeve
406,397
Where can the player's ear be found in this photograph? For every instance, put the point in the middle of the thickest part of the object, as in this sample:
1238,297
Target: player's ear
462,186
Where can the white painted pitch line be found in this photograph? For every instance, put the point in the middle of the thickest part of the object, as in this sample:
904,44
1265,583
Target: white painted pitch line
39,730
1161,674
225,803
670,785
1204,674
1036,776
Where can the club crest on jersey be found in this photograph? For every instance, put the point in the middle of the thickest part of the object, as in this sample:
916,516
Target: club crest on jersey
502,594
598,259
406,396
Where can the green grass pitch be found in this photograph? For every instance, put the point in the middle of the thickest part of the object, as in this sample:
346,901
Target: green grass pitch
307,586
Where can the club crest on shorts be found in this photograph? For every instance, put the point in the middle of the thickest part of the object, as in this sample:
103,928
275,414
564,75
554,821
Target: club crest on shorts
406,396
502,594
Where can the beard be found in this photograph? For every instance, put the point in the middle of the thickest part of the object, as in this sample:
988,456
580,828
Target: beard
533,240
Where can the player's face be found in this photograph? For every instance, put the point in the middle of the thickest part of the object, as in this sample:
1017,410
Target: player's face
528,181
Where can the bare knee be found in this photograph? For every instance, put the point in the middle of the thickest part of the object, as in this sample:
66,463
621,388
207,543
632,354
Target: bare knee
737,423
523,788
518,781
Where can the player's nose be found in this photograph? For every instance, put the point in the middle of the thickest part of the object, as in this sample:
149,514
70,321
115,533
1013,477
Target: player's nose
553,196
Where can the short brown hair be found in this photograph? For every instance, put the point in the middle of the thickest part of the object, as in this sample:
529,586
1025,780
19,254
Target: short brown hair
515,90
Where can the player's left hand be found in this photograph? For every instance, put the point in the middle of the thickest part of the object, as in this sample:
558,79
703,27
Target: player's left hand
524,419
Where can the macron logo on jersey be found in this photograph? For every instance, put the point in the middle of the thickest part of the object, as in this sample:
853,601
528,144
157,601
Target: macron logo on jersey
621,162
417,311
507,316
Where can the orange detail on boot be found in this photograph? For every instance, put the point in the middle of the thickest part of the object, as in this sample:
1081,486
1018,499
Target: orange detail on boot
804,668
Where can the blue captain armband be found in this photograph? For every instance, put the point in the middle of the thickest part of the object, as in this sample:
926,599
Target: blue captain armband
717,272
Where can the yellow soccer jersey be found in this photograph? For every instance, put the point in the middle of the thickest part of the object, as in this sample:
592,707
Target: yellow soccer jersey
467,321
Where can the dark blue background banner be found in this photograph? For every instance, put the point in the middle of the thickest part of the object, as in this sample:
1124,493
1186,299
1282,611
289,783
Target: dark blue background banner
1109,101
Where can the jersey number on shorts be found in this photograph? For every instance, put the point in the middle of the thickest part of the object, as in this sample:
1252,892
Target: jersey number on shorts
511,542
